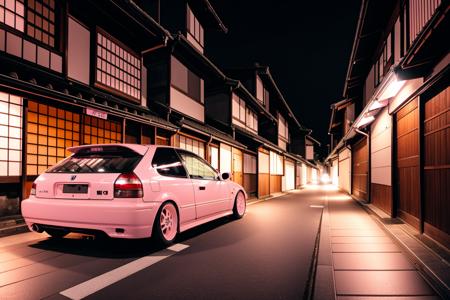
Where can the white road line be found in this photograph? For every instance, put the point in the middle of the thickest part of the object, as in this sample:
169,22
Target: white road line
95,284
316,206
178,247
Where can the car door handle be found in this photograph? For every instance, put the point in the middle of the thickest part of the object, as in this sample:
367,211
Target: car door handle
202,188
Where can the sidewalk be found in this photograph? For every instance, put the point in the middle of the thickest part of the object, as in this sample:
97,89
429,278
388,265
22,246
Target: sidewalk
358,259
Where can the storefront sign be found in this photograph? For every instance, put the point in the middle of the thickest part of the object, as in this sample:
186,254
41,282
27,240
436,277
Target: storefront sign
96,113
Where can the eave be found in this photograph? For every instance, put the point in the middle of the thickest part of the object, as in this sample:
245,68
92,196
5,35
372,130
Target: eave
264,70
208,14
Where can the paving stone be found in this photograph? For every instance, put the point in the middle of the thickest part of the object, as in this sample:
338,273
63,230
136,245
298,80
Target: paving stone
371,261
389,298
365,248
356,232
357,240
381,283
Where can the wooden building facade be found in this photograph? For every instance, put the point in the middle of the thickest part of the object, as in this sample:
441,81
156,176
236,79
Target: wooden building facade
394,115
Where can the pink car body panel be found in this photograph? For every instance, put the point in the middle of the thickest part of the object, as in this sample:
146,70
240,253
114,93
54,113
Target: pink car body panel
103,212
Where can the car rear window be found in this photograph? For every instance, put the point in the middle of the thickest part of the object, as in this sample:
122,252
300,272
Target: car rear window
104,159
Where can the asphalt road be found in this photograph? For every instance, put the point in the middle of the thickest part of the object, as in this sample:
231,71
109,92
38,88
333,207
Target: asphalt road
265,255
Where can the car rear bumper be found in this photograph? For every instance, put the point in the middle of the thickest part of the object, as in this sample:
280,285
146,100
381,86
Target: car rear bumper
133,216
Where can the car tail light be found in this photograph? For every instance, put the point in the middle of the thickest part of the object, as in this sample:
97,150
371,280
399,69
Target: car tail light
128,185
33,189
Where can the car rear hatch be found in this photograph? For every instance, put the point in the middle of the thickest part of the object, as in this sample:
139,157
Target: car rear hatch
90,173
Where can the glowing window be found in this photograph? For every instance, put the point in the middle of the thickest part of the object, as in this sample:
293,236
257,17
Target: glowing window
99,131
10,135
50,131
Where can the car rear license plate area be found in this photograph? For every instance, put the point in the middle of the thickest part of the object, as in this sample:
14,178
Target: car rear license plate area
75,188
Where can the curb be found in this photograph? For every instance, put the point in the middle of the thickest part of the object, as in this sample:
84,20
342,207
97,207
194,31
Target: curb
13,229
267,198
324,285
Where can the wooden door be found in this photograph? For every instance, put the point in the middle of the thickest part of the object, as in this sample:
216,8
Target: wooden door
407,163
263,174
298,175
250,173
437,167
237,166
360,169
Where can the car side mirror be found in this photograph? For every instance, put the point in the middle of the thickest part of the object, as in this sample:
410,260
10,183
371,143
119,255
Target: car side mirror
225,176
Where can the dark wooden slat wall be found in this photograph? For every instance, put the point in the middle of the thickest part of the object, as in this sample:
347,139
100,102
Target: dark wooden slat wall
360,166
437,167
382,197
407,163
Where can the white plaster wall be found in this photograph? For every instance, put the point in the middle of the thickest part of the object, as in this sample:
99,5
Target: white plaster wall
304,174
345,169
186,105
225,158
288,180
334,172
381,148
78,52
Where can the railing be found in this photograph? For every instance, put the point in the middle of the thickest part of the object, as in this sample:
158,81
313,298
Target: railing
420,12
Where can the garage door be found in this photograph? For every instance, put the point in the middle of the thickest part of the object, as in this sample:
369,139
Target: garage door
407,163
360,169
289,176
437,167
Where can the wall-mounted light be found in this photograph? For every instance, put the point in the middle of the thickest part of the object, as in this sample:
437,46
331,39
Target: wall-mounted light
377,104
392,87
364,121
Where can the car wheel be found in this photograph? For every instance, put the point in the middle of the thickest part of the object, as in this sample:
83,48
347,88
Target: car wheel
166,223
57,233
240,205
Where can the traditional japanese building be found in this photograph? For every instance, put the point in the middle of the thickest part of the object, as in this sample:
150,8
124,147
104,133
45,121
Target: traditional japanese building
390,132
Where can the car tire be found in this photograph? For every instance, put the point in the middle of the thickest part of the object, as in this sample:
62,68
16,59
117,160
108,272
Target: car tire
240,205
166,224
57,233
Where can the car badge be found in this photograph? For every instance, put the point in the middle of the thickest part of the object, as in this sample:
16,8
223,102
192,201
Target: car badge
73,177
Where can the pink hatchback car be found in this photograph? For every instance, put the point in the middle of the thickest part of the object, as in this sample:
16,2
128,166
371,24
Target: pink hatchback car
130,191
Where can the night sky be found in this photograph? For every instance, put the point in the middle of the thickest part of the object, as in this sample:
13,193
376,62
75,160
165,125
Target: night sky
307,45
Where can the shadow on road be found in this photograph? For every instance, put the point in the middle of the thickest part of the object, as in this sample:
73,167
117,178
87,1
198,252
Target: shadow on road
106,247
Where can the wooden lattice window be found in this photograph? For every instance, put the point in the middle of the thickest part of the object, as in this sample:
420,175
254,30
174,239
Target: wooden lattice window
50,131
10,135
41,21
117,67
99,131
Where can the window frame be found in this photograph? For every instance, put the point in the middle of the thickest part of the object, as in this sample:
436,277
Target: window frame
12,111
57,47
188,73
121,70
179,151
247,110
200,39
285,136
180,160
